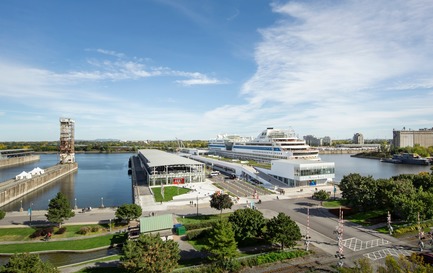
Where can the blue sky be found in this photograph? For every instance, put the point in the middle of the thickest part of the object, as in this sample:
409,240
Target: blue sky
192,69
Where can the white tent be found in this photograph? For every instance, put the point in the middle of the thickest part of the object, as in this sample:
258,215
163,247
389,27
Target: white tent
23,175
37,171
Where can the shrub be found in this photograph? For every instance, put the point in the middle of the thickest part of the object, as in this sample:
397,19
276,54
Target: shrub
95,229
199,225
279,256
61,230
196,234
84,230
41,232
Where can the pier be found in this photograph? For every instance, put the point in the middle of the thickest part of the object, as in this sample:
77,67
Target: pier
13,157
13,189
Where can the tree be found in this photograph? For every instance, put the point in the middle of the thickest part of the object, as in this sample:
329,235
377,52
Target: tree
247,223
150,254
321,195
359,191
283,230
128,212
59,209
221,201
27,263
221,243
2,214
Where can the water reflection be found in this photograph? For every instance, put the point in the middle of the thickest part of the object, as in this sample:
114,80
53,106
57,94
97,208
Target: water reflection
65,258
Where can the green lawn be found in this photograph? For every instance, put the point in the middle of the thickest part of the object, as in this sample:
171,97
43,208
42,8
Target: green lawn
23,234
367,218
333,203
79,244
169,192
202,218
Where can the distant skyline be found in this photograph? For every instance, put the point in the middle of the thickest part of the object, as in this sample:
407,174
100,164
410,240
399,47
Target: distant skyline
189,69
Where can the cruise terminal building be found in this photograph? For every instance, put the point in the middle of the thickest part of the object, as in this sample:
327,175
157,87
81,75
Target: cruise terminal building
162,168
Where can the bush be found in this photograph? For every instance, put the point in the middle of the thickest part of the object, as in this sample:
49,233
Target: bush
84,230
95,229
199,225
61,230
41,232
279,256
2,214
196,234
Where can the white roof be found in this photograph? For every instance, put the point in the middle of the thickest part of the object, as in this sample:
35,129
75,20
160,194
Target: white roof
160,158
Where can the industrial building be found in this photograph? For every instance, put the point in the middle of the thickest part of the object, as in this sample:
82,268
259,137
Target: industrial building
162,168
67,141
410,138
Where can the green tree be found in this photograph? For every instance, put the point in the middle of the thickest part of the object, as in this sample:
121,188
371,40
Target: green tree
27,263
128,212
150,254
59,209
282,230
359,191
321,195
247,223
221,201
221,244
2,214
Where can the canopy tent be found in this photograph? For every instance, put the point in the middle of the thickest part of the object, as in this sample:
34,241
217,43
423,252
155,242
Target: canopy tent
37,171
23,175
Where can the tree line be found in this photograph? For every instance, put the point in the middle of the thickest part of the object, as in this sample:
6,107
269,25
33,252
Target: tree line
404,195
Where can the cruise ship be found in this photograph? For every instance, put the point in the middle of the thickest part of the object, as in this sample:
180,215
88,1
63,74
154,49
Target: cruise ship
270,144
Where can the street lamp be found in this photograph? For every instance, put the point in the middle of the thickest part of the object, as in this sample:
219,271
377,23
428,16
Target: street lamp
102,202
110,224
197,205
75,207
21,208
30,213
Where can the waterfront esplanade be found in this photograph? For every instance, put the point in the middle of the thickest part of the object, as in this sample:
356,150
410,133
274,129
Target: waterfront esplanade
162,168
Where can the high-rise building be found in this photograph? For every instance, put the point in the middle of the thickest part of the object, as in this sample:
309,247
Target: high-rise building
67,142
410,138
358,138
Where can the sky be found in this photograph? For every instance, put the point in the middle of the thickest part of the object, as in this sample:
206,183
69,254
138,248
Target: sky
192,69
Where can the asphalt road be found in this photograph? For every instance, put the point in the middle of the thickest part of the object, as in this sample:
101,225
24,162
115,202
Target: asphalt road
358,241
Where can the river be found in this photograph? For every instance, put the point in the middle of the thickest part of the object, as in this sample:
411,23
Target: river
103,178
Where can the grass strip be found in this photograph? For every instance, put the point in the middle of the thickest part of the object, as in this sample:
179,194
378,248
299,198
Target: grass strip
79,244
169,192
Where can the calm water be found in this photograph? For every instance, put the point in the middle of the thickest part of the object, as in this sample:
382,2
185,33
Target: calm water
99,176
106,176
344,165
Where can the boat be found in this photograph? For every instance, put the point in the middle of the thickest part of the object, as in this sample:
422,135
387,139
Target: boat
407,158
268,145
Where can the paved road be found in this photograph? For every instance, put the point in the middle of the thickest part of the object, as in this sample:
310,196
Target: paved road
358,241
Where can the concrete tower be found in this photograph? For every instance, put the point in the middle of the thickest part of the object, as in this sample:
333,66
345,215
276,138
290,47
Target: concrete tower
67,141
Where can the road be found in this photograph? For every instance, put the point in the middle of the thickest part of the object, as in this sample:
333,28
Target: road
358,242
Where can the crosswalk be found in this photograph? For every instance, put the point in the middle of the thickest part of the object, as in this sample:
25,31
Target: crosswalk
356,244
381,254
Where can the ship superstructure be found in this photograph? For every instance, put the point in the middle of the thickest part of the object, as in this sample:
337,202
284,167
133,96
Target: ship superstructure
270,144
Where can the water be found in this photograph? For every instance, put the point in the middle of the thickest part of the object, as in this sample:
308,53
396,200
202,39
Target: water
345,164
101,178
106,176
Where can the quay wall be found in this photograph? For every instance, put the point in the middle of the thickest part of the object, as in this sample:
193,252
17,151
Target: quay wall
8,162
13,189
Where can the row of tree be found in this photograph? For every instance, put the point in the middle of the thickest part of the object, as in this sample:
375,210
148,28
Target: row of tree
404,195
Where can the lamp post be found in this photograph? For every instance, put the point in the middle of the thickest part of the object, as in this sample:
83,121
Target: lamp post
110,224
197,205
102,202
75,207
21,208
30,213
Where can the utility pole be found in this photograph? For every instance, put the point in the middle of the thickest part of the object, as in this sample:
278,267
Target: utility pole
420,236
339,232
307,232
